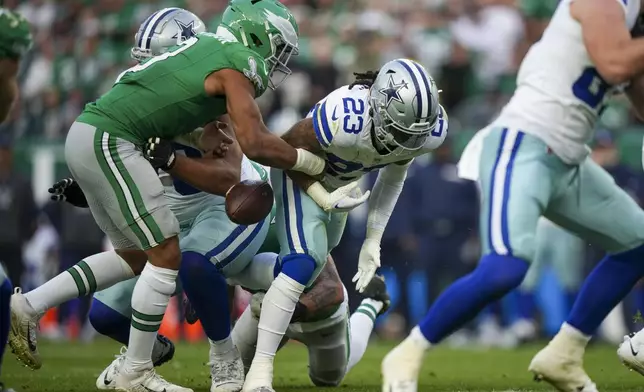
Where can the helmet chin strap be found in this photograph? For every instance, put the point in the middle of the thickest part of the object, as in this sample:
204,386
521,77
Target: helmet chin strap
381,147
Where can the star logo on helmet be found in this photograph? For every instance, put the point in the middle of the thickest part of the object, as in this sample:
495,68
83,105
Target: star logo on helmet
392,91
185,30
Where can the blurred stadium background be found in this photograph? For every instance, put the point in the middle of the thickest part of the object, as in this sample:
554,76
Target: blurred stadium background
472,47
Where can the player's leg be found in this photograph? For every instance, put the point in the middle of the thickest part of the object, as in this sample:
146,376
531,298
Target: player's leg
303,240
110,315
5,296
593,206
89,275
516,176
214,248
329,350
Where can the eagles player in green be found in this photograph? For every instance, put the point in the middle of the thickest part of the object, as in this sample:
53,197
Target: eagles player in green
193,84
15,40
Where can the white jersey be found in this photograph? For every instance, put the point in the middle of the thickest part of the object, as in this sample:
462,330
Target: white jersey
559,94
186,201
344,129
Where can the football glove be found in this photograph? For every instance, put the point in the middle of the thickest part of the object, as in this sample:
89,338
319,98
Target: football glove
160,153
68,190
368,263
343,199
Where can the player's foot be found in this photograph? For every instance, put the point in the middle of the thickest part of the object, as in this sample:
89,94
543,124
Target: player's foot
401,366
5,389
560,364
260,376
377,290
227,374
106,380
144,381
631,352
189,312
163,351
261,389
22,335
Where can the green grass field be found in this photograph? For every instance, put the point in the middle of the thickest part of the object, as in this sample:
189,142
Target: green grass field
74,368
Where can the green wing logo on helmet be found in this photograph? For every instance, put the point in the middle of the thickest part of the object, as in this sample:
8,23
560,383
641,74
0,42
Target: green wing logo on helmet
284,26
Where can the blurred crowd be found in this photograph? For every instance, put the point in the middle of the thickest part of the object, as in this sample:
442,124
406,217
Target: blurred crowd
472,48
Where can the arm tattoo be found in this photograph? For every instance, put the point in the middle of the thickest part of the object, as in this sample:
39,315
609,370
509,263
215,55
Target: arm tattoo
302,135
324,297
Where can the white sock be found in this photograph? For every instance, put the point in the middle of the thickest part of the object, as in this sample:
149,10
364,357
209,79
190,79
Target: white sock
222,349
361,325
277,310
244,336
149,301
570,341
417,338
92,274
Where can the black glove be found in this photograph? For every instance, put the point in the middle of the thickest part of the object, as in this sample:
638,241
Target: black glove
160,153
68,190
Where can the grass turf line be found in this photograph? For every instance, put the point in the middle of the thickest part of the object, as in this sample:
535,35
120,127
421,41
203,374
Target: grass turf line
72,367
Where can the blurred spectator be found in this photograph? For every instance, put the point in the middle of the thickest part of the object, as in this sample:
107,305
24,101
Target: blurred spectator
17,213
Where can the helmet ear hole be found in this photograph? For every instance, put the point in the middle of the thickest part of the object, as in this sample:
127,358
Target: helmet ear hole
256,41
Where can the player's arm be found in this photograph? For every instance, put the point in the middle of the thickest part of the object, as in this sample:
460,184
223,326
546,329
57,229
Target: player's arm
210,174
254,138
324,297
617,56
8,86
302,135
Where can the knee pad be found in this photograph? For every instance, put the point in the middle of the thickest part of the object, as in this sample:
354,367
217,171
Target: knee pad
326,378
299,267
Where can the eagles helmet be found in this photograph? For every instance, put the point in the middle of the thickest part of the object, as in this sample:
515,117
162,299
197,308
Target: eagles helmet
164,29
268,28
404,105
15,35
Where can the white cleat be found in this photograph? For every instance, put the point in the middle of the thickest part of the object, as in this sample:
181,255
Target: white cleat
562,370
631,353
259,377
144,381
400,368
105,380
22,334
227,375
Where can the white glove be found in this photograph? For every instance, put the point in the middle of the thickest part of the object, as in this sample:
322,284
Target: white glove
343,199
368,263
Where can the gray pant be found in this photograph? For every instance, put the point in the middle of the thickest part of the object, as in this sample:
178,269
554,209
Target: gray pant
124,192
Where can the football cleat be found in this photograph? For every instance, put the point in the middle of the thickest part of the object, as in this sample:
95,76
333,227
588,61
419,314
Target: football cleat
22,334
144,381
227,374
401,366
189,312
631,353
107,377
377,290
163,351
561,369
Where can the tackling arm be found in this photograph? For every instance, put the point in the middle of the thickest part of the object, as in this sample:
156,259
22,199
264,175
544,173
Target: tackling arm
254,138
8,86
324,297
617,56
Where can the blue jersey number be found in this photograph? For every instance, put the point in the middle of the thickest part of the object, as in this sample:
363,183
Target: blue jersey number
590,88
353,111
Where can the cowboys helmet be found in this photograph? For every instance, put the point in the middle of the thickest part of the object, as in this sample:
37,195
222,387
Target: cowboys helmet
268,28
404,105
164,29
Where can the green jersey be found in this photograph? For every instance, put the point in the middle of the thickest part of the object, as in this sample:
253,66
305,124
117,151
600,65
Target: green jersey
538,9
165,96
15,35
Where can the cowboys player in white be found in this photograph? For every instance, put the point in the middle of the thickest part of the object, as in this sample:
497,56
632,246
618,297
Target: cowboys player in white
380,122
532,161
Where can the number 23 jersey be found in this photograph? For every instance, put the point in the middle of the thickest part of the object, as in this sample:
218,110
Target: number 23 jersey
343,127
560,94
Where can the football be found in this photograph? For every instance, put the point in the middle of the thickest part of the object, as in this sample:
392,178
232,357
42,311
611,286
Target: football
248,202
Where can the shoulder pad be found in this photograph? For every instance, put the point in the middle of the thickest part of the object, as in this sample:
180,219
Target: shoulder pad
326,116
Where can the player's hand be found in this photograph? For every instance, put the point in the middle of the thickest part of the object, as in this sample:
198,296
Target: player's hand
343,199
214,139
368,263
68,190
160,153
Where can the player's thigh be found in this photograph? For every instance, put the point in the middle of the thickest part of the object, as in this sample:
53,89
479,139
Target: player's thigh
335,229
516,177
300,222
591,205
114,173
118,297
229,246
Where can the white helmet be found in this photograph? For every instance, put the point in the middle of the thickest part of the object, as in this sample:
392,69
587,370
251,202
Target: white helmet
164,29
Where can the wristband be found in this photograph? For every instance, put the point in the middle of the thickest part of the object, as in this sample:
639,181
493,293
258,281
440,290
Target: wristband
308,163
